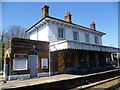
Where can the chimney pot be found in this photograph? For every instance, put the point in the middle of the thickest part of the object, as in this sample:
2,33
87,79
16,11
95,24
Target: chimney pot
45,11
67,17
92,25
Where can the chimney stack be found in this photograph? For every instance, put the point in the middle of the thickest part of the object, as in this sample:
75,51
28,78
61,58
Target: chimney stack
92,25
67,17
45,11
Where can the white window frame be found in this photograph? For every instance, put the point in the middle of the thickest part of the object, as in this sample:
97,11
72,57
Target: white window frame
44,61
20,55
20,69
63,34
77,37
87,38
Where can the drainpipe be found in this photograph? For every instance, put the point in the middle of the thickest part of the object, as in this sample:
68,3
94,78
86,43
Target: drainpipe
49,63
37,32
118,59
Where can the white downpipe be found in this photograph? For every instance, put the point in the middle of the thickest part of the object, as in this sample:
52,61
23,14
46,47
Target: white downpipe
49,63
5,72
118,59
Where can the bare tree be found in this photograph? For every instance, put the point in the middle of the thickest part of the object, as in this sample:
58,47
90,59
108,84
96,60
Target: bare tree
14,31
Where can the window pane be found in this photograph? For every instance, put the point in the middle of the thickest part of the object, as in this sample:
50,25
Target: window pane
61,33
75,35
96,40
20,64
44,63
87,39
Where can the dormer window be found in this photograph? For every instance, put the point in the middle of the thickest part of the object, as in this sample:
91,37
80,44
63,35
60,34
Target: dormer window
75,35
61,33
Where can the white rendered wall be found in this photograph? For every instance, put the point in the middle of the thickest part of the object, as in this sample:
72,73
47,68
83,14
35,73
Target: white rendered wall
81,36
41,35
53,34
49,32
92,38
100,40
33,36
69,33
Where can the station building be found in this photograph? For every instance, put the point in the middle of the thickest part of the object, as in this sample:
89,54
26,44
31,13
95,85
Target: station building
72,47
26,58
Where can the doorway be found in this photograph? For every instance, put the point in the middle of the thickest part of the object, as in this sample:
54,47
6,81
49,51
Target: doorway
61,63
76,60
33,63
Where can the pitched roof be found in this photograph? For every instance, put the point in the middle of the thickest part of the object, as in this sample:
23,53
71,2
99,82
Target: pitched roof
64,22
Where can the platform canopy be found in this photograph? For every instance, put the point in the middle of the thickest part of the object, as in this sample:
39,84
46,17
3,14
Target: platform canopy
67,44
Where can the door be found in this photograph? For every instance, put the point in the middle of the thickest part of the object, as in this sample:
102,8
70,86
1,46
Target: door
76,60
32,61
61,63
97,60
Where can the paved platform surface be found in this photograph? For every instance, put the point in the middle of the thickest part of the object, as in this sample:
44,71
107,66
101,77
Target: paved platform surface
37,81
20,83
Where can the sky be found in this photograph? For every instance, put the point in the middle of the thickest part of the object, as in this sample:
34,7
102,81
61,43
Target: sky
104,14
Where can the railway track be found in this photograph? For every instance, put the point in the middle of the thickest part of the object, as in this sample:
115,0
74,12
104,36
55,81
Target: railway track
108,84
67,81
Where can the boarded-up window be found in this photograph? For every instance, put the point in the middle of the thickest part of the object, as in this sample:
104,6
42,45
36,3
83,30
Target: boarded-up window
20,64
44,63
